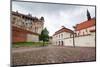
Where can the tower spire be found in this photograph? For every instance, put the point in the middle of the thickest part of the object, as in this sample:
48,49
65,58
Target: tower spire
88,15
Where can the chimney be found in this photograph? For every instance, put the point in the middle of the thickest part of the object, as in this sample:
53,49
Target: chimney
62,26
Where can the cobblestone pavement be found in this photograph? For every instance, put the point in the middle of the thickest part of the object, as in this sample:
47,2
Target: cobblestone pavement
51,54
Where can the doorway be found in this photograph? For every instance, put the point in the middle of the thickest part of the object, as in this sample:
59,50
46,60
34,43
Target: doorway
62,43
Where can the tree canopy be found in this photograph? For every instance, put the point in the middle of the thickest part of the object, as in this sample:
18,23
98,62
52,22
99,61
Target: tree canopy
44,36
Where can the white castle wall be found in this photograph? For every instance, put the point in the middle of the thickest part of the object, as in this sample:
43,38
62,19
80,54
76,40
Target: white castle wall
86,41
82,41
68,42
32,38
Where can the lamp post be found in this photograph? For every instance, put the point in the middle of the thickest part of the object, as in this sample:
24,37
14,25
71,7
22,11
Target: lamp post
73,41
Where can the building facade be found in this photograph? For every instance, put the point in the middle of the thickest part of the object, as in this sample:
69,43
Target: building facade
83,34
26,23
60,35
85,27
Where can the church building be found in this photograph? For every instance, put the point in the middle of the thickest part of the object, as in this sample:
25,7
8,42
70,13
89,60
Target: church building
86,27
83,34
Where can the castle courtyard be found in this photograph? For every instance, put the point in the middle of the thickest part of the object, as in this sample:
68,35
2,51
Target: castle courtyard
51,54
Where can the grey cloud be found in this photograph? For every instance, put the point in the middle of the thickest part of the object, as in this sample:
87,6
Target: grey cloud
55,14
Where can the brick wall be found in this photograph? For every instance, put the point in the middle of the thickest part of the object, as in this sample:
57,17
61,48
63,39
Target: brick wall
20,35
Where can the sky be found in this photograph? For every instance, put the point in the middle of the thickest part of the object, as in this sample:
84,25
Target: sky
55,15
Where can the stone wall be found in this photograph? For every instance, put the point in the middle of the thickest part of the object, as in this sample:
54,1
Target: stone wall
68,42
82,41
86,41
32,38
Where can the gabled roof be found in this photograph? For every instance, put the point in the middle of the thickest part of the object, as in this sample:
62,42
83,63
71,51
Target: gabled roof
85,24
63,30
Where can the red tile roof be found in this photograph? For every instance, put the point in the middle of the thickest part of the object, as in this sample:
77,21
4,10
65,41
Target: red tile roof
63,30
85,24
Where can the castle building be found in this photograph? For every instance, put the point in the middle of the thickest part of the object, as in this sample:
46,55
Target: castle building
26,27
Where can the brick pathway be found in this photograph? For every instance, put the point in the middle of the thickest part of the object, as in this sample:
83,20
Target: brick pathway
51,54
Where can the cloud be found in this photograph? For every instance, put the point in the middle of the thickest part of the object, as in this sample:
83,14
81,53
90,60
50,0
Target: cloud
55,15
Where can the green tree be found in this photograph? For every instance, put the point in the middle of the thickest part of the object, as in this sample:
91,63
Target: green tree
44,36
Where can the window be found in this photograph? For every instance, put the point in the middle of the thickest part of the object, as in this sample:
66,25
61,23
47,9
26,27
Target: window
59,42
14,18
30,22
61,35
35,29
56,43
87,31
77,34
22,22
26,23
83,33
25,20
56,36
31,26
